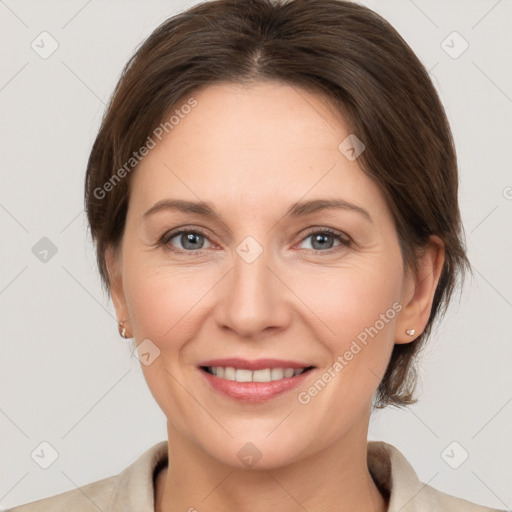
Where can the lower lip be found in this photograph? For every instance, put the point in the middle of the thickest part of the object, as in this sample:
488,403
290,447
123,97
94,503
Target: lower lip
254,391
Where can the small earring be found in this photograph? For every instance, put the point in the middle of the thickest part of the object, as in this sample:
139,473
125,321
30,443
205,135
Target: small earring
410,332
123,332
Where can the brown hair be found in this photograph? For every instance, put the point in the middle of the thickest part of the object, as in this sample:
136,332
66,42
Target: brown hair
338,49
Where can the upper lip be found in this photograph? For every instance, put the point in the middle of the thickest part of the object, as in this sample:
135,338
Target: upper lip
255,364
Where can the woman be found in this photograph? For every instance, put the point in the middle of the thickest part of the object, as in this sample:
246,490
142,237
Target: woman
273,198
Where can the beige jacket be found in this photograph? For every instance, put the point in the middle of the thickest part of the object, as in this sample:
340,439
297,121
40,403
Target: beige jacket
133,489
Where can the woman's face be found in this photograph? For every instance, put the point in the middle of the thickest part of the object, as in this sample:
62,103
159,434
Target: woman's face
258,274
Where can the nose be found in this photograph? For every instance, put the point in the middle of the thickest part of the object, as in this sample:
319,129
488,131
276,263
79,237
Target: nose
253,301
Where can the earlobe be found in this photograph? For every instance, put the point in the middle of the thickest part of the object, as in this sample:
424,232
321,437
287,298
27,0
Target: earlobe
112,263
418,292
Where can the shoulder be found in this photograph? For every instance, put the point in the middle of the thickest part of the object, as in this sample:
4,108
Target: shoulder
91,497
438,500
130,490
395,477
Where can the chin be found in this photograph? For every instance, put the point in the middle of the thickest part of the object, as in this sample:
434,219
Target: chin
256,451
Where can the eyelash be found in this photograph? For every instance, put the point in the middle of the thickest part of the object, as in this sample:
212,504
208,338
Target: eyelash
345,240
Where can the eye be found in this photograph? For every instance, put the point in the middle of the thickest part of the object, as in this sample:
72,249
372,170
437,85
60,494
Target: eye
189,240
322,240
192,240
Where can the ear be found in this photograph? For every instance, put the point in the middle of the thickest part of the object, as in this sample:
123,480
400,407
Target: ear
418,291
113,263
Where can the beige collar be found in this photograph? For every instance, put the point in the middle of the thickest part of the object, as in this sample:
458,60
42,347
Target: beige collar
134,489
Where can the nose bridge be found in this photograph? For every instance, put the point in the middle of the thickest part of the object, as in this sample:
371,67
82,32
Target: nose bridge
252,301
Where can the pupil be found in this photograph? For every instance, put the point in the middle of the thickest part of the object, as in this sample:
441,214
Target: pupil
321,238
190,238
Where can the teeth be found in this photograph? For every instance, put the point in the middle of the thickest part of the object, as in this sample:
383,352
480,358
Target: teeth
265,375
243,376
276,373
261,375
229,373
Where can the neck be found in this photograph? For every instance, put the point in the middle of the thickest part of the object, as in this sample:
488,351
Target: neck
336,478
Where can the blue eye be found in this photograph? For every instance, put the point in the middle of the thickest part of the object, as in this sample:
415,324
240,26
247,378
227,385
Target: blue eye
193,240
322,240
190,239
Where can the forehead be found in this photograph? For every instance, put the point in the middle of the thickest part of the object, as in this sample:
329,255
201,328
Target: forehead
268,142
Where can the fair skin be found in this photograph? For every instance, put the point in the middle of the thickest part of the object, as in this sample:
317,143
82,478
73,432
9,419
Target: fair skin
252,152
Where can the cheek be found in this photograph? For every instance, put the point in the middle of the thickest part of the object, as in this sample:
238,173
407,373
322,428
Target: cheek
163,301
167,306
359,305
151,305
350,299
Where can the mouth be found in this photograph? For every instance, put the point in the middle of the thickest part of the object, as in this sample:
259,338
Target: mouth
243,375
254,381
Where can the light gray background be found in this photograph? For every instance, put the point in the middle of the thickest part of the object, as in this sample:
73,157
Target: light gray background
67,378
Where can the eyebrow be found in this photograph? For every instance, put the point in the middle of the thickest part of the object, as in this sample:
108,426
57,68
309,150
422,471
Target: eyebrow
299,209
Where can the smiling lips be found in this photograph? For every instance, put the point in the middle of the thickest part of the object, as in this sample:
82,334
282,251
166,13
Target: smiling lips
254,381
241,375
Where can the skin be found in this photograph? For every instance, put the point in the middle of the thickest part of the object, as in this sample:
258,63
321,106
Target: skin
252,152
